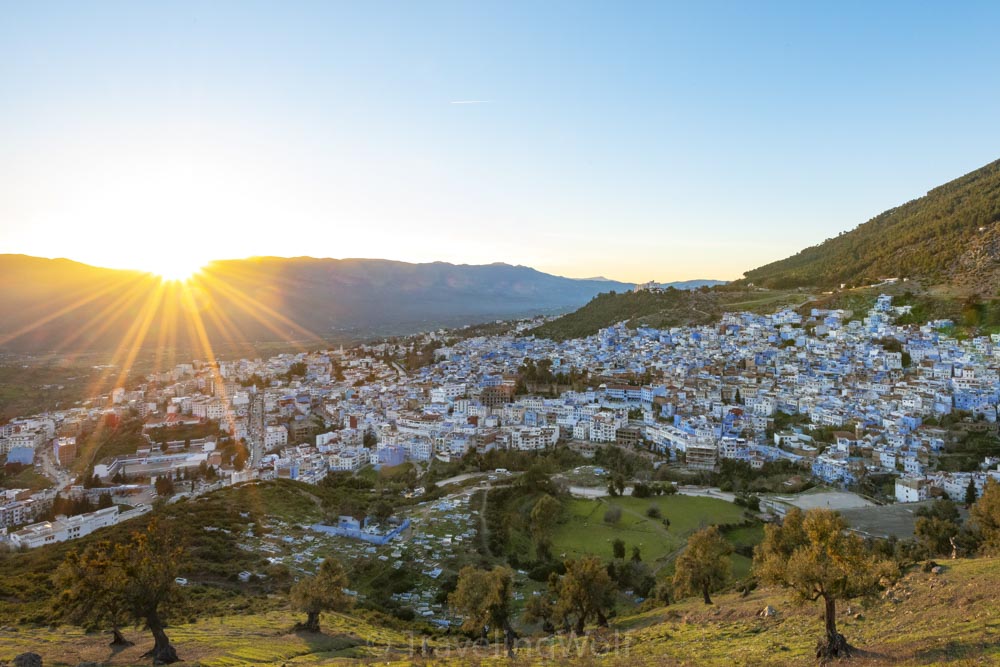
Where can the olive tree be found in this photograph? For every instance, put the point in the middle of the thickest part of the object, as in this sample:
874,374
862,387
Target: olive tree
322,592
814,555
483,598
130,582
704,565
87,587
985,518
585,592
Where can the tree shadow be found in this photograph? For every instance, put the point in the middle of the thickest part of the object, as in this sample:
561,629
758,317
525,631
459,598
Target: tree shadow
950,652
118,643
118,648
321,642
865,654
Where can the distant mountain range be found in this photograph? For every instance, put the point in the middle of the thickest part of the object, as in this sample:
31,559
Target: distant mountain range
58,304
951,235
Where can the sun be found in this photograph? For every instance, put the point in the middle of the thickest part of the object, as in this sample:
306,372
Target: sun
176,269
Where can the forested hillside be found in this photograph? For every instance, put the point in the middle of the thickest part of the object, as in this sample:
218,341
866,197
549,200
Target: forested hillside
609,308
668,308
948,236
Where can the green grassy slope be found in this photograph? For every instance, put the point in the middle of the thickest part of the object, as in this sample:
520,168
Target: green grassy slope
211,527
949,231
585,531
926,619
664,309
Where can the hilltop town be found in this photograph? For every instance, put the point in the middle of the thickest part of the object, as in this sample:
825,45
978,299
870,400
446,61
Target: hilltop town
473,334
407,460
845,398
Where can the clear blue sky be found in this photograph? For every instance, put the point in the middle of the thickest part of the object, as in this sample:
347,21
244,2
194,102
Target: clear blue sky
635,140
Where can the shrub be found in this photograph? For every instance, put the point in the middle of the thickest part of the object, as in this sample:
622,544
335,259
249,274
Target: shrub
747,500
641,490
542,571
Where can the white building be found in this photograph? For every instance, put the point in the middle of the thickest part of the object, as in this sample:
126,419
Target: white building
447,392
208,409
911,489
419,449
533,438
64,528
324,439
24,439
348,459
605,427
275,436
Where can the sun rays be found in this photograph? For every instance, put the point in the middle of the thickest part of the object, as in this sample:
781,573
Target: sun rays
179,269
184,313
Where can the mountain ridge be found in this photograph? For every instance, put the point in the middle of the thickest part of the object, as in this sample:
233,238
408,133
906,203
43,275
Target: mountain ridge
62,304
948,240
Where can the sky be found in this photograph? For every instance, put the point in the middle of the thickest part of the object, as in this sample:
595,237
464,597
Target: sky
638,141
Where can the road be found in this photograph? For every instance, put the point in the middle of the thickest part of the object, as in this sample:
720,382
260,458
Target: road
684,490
706,491
59,478
600,491
593,491
460,478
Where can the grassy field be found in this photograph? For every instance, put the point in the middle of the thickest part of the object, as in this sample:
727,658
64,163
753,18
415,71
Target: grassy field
928,620
291,502
746,535
218,642
585,531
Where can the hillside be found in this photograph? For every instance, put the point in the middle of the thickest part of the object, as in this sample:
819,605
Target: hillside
949,238
950,235
60,305
926,619
669,308
219,619
214,556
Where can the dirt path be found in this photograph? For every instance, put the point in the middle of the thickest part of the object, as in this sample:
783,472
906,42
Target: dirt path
484,534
